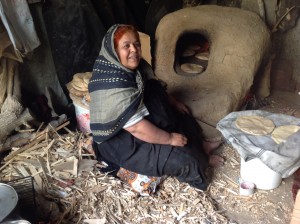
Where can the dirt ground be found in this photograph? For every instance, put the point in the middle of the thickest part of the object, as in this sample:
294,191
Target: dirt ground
265,206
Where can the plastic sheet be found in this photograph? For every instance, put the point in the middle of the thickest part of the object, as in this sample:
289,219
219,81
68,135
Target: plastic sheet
282,158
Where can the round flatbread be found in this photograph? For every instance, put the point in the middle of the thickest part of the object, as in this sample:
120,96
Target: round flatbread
188,52
202,56
255,125
191,68
79,85
281,133
78,76
87,77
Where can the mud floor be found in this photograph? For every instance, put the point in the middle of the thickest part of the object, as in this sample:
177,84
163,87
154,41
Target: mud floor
264,206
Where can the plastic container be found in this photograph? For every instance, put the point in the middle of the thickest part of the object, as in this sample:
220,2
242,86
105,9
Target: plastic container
257,172
246,188
8,200
83,118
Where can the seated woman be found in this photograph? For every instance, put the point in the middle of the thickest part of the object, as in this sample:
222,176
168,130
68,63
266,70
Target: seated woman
135,123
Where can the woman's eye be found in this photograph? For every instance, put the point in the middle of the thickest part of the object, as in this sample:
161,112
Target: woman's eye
137,45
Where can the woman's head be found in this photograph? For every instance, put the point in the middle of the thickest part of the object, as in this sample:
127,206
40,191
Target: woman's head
127,45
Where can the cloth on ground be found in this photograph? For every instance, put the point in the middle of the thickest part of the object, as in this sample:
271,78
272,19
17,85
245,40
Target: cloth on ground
144,185
282,158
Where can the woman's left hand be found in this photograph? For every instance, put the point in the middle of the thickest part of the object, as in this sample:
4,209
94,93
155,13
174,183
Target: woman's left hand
181,107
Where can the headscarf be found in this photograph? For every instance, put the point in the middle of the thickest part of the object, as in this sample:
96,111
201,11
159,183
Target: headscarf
116,91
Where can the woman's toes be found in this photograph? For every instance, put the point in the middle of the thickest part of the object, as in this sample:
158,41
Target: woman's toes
216,161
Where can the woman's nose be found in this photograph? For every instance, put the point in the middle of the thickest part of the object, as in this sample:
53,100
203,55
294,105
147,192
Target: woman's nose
133,48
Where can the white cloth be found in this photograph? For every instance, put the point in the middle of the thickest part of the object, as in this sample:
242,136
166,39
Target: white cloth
138,116
282,158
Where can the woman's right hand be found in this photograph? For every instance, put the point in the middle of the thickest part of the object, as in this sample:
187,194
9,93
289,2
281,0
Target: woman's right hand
177,139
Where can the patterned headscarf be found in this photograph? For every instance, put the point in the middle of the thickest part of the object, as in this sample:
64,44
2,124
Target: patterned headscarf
116,91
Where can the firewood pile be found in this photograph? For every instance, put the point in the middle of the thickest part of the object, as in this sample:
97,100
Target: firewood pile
71,189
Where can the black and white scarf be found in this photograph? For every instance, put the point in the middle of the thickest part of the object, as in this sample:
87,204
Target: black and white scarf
116,92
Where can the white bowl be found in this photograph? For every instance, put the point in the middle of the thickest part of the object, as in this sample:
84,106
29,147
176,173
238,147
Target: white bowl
257,172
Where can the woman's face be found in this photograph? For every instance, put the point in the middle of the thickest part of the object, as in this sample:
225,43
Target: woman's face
129,50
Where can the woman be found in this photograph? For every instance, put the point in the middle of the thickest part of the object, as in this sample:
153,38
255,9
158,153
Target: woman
133,120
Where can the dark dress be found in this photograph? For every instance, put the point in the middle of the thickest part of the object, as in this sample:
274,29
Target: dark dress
186,163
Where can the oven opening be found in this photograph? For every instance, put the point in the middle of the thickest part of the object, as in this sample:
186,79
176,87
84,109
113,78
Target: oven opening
191,54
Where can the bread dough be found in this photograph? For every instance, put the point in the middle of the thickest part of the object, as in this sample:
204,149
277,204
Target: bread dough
281,133
255,125
191,68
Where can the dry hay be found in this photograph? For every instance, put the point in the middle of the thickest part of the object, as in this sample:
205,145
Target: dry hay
71,189
115,202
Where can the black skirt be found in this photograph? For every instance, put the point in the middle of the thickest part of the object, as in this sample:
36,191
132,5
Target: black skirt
186,163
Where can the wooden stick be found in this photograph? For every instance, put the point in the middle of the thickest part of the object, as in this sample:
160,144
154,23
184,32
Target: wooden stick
75,167
44,169
280,20
47,150
231,191
26,147
23,171
69,131
29,149
26,130
231,181
37,178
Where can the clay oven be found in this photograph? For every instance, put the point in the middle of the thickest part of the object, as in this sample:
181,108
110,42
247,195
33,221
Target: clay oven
234,41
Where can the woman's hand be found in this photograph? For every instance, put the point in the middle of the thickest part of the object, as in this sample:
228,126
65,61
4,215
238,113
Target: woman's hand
181,107
178,139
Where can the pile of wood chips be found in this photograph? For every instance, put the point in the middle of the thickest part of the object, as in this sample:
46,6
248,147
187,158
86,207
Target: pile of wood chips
71,189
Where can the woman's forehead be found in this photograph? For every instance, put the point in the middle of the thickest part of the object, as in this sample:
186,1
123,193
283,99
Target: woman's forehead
129,36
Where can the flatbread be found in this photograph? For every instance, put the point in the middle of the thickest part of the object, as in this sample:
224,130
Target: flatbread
87,77
255,125
79,85
281,133
202,56
191,68
188,52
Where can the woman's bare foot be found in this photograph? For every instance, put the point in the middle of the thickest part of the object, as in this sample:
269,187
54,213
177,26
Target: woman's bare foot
215,161
209,147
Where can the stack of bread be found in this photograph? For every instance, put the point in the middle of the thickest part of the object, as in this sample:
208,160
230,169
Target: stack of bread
78,88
